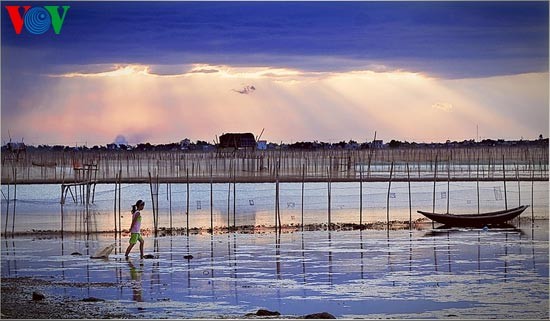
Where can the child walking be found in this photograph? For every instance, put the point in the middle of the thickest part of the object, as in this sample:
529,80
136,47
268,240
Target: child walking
135,228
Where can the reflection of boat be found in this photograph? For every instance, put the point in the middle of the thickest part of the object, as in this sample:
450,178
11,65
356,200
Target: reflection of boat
475,220
44,164
446,230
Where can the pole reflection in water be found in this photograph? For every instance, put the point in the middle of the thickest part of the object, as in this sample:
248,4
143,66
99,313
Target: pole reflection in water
155,269
390,266
479,256
211,281
449,251
506,258
435,255
188,265
303,261
278,254
329,257
533,243
235,283
362,253
410,251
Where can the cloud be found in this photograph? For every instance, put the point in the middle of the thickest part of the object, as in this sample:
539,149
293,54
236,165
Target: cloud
301,105
204,71
447,107
448,39
246,90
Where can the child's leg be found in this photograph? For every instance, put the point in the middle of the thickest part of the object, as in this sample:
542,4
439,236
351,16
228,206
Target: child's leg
129,249
141,242
133,240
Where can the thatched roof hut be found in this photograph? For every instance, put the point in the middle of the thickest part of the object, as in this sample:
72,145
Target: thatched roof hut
237,140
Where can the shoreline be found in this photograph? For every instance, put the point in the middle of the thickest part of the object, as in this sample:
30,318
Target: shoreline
244,229
420,224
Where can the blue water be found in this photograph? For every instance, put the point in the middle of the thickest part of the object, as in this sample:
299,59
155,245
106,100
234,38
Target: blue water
38,206
468,273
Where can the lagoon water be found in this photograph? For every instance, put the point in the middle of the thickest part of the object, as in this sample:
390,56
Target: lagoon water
424,273
38,206
420,273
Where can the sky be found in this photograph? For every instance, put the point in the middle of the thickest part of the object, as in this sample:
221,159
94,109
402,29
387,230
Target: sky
160,72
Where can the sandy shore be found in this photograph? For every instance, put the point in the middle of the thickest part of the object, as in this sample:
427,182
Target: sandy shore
18,303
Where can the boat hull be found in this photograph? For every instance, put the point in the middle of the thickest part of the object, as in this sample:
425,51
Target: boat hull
475,220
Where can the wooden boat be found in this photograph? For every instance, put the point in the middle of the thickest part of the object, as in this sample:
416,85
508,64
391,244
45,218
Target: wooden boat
475,220
44,164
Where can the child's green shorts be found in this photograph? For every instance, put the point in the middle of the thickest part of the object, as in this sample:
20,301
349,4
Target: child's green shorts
135,237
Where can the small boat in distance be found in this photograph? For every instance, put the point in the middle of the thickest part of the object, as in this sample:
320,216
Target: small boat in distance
475,220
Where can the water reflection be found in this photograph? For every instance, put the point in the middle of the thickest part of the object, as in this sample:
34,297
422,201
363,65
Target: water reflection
135,275
420,273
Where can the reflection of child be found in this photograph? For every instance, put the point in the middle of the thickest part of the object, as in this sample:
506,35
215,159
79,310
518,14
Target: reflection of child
135,274
135,228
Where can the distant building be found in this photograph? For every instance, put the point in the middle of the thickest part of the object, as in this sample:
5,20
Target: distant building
262,144
377,143
16,147
237,140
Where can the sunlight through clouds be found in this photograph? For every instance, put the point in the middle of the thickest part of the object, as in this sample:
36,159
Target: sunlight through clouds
201,102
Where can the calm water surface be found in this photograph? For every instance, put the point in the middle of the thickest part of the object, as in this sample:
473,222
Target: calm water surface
38,206
467,273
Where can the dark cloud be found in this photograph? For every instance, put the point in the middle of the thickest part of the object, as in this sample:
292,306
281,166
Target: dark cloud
246,90
449,39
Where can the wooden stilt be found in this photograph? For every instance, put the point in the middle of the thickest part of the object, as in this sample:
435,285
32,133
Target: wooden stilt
303,180
410,203
388,198
504,179
187,205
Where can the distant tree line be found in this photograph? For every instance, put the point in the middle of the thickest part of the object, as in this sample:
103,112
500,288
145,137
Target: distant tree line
200,145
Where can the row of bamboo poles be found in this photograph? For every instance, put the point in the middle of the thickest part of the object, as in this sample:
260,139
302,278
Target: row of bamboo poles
286,165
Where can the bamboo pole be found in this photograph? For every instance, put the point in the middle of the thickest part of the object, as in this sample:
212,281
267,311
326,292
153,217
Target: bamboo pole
277,222
533,192
328,196
477,183
234,196
410,203
119,201
519,185
114,208
303,179
448,184
169,195
14,199
187,204
211,203
152,201
435,179
228,204
388,198
7,208
504,178
361,197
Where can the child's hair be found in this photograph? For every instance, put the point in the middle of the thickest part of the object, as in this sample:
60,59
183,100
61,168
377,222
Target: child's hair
134,207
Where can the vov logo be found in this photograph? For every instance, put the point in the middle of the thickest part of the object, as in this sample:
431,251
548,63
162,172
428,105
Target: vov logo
37,20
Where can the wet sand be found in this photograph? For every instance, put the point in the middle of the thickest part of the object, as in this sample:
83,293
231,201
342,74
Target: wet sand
18,303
